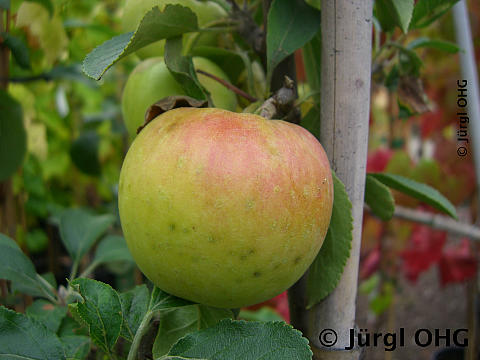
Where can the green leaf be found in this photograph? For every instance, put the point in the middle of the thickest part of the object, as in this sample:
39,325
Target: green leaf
79,230
160,300
176,323
24,338
327,268
134,307
427,11
242,340
182,69
442,45
394,12
111,249
47,4
379,198
70,326
312,56
48,314
13,138
290,25
18,48
155,25
84,153
17,267
209,316
101,310
311,122
409,61
417,190
76,347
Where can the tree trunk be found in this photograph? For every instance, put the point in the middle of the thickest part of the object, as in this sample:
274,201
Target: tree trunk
345,106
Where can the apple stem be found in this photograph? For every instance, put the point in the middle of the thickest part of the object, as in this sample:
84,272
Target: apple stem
281,105
229,86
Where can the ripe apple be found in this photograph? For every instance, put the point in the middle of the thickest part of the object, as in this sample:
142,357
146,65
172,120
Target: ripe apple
225,209
151,81
206,12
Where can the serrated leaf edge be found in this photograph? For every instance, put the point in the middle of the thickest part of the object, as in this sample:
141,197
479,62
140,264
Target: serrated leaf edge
339,274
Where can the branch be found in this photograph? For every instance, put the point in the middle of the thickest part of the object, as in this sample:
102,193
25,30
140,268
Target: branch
235,89
45,77
249,30
281,105
439,222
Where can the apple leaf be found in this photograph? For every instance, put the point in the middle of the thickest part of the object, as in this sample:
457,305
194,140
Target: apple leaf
417,190
13,138
173,21
182,69
18,48
17,267
242,340
327,268
290,25
134,307
101,310
25,338
76,347
394,12
160,300
112,248
312,54
427,11
379,198
48,314
424,42
79,230
176,323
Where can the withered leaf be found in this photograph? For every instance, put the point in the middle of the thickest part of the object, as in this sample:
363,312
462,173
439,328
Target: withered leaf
169,103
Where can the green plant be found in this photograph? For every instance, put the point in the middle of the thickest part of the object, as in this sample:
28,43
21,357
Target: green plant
208,13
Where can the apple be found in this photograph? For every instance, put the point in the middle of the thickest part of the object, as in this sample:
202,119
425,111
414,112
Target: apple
224,209
206,12
151,81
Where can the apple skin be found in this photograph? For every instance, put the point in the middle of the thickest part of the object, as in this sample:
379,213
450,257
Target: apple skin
151,81
206,12
224,209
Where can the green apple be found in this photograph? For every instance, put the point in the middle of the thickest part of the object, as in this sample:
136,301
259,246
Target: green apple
206,12
151,81
225,209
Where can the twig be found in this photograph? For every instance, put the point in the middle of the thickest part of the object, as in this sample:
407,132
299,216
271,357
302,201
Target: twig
439,222
235,89
249,30
281,105
45,77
